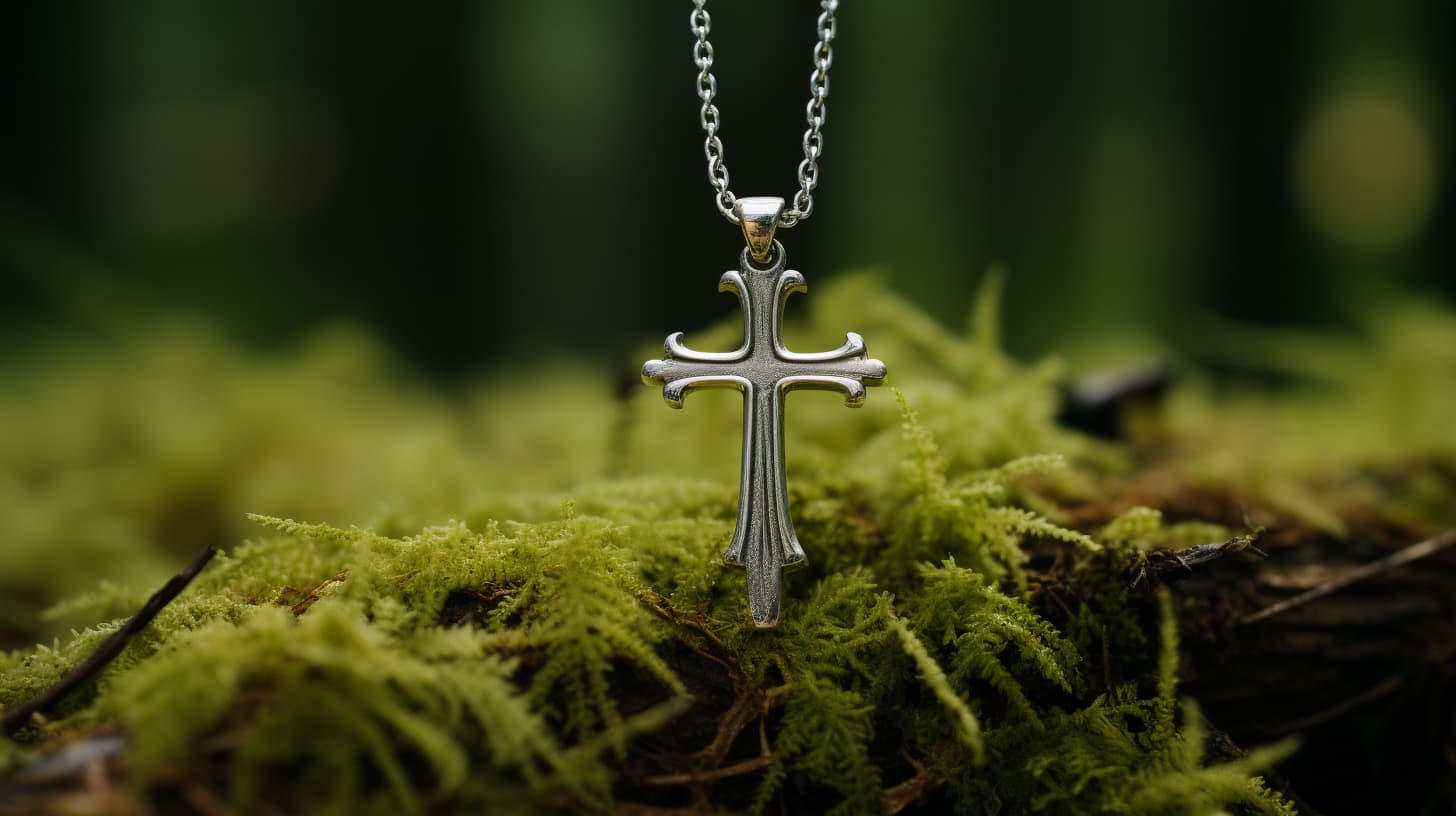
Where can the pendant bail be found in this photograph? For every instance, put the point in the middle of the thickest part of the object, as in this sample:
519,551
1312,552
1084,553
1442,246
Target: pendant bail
759,217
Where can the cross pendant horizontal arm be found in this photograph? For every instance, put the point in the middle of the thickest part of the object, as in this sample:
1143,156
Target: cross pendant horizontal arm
764,371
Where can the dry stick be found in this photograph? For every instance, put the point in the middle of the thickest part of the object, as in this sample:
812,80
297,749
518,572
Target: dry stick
1375,692
740,768
22,714
1415,551
893,800
317,592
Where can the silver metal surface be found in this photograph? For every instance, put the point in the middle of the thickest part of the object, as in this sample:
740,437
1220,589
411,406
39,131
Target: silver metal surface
763,539
759,217
814,114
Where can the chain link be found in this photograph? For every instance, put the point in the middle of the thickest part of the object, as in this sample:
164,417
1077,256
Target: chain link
814,113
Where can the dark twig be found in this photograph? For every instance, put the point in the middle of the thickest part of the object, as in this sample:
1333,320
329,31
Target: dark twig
1430,546
637,809
893,800
734,720
1375,692
746,766
317,592
23,714
1173,566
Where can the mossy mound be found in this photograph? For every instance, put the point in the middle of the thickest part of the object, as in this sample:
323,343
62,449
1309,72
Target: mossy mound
512,598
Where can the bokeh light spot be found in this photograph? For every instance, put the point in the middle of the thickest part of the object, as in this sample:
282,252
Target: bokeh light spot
1365,170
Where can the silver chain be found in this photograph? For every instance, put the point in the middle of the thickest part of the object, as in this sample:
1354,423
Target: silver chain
813,113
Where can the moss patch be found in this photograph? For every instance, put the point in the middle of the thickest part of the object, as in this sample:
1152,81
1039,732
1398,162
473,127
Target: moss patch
514,595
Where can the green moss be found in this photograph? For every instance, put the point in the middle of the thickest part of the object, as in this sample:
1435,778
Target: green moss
516,596
1365,418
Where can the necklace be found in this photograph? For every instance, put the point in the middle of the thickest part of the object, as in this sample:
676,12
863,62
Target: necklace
762,369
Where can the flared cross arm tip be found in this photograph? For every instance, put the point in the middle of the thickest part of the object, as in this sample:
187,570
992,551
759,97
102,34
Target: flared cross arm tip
654,372
872,372
677,382
853,386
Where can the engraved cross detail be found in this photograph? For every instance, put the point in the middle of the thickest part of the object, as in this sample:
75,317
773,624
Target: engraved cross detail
763,539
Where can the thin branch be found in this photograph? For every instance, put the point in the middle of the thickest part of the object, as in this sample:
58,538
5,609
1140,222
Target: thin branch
42,703
1375,692
899,797
317,592
730,726
1425,548
638,809
740,768
893,800
698,622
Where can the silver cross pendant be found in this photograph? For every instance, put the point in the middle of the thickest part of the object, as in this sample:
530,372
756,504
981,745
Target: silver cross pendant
763,539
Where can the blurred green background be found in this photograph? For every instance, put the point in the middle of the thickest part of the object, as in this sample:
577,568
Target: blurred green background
481,182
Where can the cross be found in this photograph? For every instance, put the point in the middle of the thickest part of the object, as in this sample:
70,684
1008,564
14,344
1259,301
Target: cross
764,371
